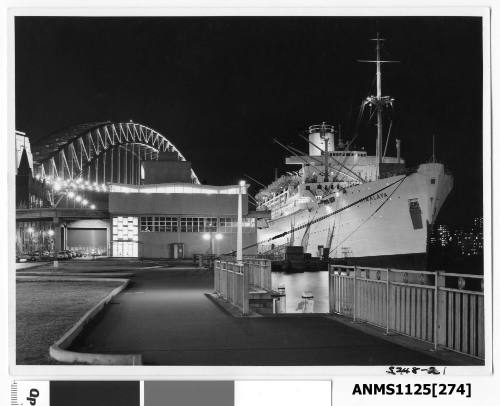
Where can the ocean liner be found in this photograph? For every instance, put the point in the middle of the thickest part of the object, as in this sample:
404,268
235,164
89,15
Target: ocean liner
351,207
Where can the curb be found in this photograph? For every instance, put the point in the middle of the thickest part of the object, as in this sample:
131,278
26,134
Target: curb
75,275
228,308
58,350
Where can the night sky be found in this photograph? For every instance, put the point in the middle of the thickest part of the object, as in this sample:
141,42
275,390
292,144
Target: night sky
221,88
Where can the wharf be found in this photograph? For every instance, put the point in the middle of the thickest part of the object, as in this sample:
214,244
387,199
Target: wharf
166,316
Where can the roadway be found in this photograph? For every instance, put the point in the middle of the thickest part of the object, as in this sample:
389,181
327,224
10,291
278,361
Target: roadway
165,316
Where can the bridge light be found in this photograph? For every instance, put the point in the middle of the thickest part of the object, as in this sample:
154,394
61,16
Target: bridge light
92,206
79,180
86,183
103,187
78,198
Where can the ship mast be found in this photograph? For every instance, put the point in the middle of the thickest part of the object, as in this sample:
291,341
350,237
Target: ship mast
378,101
324,137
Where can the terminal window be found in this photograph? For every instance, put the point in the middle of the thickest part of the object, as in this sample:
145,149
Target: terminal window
158,224
198,224
230,224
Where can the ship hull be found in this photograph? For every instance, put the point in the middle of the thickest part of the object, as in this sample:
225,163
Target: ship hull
413,261
381,223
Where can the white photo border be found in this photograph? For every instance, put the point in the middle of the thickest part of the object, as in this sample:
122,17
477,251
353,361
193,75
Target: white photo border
241,372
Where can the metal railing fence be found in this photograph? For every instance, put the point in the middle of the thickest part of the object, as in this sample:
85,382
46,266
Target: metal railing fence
429,306
259,272
231,283
232,280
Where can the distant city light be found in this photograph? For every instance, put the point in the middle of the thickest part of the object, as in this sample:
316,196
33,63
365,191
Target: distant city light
85,202
218,236
57,187
92,206
30,230
206,236
71,194
78,198
50,232
242,183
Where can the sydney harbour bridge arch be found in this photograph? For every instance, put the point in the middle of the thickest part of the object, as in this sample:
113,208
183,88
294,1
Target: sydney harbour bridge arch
97,154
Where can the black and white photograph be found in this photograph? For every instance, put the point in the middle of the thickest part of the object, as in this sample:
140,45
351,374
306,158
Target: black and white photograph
238,190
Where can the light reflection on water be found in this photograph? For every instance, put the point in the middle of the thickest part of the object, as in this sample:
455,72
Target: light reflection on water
298,283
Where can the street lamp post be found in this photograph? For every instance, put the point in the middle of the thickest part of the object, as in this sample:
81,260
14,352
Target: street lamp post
218,237
239,233
51,240
30,240
211,236
208,236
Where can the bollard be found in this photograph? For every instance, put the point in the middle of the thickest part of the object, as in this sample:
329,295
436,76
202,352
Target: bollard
281,308
308,302
56,263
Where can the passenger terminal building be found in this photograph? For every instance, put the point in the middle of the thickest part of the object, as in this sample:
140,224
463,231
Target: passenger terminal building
133,202
168,220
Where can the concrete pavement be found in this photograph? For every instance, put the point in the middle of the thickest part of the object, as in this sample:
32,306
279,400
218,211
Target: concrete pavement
165,315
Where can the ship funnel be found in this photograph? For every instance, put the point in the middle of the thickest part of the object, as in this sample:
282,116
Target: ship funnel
398,150
320,134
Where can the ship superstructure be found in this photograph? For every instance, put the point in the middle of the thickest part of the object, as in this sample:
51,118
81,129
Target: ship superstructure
344,204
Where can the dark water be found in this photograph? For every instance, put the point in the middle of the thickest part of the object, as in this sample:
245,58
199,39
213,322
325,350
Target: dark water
298,283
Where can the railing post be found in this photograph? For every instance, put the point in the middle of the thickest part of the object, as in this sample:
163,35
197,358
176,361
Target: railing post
438,282
388,302
245,293
354,294
227,279
235,286
440,312
330,289
216,275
